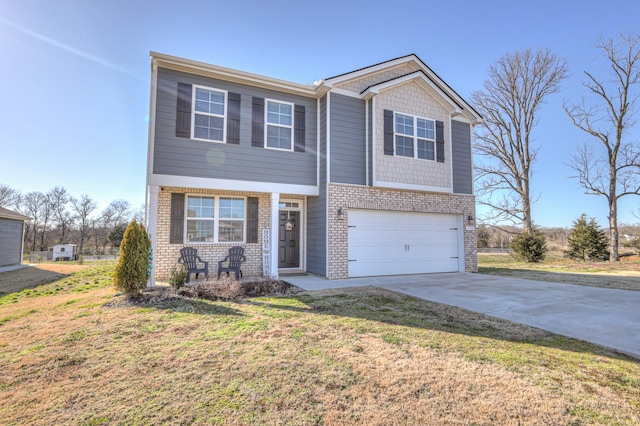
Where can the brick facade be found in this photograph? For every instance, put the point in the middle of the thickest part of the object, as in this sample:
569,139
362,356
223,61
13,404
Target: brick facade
167,254
362,197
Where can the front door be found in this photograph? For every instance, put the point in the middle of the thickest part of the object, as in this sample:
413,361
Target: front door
289,235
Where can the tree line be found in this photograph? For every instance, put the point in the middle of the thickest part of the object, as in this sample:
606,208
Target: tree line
59,217
607,164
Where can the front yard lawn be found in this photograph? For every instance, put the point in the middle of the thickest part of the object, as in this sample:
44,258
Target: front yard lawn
72,353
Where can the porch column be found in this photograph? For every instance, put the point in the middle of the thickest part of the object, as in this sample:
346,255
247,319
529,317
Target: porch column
275,219
152,228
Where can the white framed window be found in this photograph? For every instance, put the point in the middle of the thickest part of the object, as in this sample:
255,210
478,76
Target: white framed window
414,137
215,219
279,125
209,114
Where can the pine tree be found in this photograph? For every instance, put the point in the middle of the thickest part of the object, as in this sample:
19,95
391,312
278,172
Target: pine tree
586,240
529,247
132,271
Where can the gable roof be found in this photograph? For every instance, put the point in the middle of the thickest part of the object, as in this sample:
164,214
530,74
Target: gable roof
424,72
10,214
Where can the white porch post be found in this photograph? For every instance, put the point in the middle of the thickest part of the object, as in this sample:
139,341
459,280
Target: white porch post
275,218
152,228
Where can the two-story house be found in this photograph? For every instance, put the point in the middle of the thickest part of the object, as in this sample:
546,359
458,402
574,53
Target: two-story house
362,174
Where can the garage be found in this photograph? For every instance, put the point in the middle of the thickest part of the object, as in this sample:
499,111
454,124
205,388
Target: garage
396,243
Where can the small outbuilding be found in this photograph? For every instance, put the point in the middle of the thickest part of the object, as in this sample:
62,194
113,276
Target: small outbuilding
65,251
11,237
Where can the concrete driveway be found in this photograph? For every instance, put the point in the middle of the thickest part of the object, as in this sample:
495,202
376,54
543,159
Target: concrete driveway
606,317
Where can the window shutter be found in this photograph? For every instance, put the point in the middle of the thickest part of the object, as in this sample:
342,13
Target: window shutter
257,122
299,130
440,141
252,219
233,118
388,132
176,233
183,111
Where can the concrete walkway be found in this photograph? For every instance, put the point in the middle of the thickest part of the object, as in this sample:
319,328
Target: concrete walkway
609,318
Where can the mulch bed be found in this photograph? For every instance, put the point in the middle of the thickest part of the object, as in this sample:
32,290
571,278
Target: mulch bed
215,290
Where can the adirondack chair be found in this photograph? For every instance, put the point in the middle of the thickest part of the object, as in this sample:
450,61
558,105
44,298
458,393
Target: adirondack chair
235,258
189,257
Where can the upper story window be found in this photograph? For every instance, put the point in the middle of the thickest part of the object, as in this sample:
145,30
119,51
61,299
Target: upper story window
279,125
209,109
414,137
215,219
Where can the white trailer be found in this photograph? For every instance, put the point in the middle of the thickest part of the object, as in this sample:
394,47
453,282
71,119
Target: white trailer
65,251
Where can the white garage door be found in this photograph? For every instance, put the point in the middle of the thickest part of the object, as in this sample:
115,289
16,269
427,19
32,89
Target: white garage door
395,243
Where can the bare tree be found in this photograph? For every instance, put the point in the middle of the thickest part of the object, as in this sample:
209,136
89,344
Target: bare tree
518,84
59,199
117,212
36,205
614,173
83,208
9,197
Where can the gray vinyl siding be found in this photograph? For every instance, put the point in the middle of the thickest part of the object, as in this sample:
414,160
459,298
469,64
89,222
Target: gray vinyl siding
186,157
461,157
10,242
348,140
317,208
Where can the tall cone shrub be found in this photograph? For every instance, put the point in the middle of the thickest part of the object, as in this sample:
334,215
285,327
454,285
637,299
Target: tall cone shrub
132,271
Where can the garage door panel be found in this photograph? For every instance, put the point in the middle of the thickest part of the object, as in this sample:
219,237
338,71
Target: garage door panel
392,243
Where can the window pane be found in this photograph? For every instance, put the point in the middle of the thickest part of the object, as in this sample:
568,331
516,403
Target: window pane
206,127
278,113
199,230
426,150
231,208
231,231
404,146
209,101
278,137
425,128
404,124
202,207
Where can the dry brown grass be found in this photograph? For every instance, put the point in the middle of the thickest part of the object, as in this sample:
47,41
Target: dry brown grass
35,275
353,356
623,275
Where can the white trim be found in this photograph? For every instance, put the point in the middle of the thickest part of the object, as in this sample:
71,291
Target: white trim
194,112
153,90
230,185
275,219
301,223
152,228
328,179
267,124
414,136
412,186
366,143
418,75
374,141
318,118
215,219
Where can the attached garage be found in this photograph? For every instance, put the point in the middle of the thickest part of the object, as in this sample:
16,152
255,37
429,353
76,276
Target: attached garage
396,243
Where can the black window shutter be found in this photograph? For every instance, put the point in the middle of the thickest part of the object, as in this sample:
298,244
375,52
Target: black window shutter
388,132
299,129
252,219
176,233
233,118
257,122
183,111
440,141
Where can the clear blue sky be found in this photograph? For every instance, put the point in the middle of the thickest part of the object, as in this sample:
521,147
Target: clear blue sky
75,74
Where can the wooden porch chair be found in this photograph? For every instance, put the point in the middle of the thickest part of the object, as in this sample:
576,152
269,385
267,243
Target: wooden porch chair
235,258
189,257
